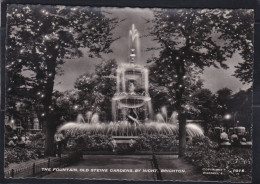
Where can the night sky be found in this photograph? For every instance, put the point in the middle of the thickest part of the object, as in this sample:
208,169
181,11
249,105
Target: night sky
214,79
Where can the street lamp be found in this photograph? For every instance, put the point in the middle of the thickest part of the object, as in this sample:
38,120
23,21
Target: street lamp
227,116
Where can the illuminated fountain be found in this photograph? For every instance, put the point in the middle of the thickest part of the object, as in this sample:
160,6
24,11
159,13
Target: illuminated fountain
131,106
132,101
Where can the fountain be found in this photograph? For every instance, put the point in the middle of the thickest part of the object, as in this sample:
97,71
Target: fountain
132,101
131,106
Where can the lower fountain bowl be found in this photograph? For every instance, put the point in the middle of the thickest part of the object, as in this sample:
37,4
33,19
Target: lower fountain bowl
131,101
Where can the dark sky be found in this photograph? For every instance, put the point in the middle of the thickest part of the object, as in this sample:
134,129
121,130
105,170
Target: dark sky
214,79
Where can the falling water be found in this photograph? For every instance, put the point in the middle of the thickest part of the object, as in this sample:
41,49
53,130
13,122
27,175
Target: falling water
164,113
92,118
89,115
125,128
194,130
80,119
174,118
159,118
150,110
95,119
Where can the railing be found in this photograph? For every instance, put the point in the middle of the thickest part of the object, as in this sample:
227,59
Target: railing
35,169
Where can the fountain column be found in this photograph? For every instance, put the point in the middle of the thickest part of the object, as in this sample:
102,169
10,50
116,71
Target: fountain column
114,110
146,81
117,81
123,81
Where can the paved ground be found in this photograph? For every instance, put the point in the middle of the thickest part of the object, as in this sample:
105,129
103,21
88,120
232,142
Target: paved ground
172,168
178,169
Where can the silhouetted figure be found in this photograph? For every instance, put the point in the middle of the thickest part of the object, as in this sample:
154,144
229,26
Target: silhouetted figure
234,139
59,141
224,139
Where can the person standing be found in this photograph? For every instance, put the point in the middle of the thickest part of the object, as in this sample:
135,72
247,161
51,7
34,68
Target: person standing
59,141
234,139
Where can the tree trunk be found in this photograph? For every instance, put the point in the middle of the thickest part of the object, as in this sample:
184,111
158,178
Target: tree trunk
50,123
49,139
182,134
180,71
50,119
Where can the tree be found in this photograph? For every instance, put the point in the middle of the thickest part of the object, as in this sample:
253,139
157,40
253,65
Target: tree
189,40
97,89
162,87
240,30
206,104
39,40
237,105
224,106
66,105
224,96
242,107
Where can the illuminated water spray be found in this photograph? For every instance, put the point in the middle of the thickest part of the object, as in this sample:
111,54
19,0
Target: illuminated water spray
131,105
134,44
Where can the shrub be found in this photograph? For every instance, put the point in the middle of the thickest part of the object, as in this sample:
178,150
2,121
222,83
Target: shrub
204,153
17,155
96,142
145,142
37,140
157,142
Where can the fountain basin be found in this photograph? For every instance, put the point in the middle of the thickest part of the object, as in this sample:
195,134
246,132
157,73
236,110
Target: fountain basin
131,101
128,130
